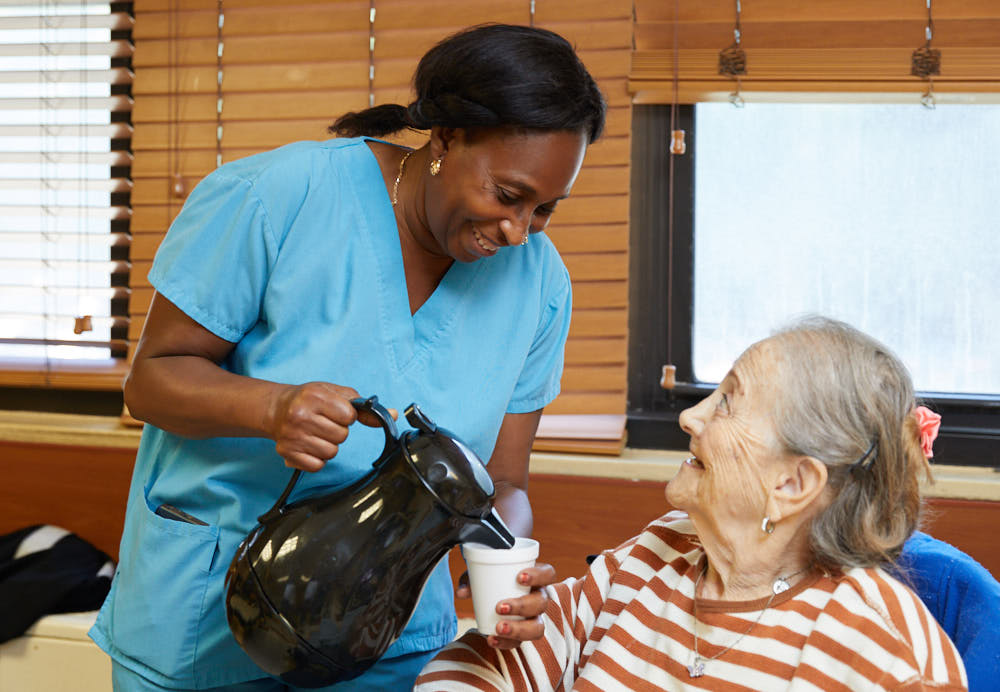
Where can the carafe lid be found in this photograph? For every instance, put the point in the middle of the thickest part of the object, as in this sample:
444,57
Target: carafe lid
448,466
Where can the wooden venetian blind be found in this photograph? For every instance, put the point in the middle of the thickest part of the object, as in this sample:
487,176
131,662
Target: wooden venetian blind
288,70
853,46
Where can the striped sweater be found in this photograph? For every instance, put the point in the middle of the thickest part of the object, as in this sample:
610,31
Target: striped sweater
628,625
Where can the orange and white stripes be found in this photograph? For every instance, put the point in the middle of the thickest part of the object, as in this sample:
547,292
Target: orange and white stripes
628,625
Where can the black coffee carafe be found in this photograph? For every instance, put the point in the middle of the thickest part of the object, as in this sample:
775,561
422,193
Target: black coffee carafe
321,587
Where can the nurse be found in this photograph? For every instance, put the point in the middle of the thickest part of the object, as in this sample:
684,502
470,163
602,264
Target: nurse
298,279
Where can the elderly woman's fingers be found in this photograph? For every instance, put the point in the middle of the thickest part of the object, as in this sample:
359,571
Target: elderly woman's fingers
511,633
530,605
542,574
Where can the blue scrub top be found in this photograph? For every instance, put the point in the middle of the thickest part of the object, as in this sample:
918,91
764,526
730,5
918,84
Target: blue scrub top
294,256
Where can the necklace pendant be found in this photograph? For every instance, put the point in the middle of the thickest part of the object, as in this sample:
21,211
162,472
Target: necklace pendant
780,586
697,667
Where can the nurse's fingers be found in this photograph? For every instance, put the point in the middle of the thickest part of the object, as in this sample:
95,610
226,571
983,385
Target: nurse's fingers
305,451
304,462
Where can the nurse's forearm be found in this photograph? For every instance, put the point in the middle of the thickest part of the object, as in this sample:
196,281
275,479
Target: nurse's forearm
514,508
194,397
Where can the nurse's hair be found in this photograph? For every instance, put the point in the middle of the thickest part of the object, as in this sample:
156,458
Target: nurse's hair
492,75
848,401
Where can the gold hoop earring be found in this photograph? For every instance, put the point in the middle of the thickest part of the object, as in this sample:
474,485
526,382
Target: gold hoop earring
436,166
767,526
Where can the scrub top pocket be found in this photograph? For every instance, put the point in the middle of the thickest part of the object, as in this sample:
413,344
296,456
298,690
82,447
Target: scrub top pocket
161,592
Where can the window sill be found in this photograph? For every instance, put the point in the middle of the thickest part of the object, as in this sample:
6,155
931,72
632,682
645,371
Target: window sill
106,375
67,429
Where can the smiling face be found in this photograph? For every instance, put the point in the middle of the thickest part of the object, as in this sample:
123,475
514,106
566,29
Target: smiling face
736,451
497,186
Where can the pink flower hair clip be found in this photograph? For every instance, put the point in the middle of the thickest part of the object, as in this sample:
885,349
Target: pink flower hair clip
929,423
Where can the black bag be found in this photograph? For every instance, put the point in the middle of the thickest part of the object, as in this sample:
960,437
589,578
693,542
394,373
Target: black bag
44,570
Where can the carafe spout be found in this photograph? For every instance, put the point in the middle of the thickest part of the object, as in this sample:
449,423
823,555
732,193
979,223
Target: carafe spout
490,530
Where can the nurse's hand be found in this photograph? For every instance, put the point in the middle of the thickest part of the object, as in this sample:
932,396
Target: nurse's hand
309,422
510,633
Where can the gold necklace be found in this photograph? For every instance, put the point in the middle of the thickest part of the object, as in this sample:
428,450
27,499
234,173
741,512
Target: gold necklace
697,667
395,185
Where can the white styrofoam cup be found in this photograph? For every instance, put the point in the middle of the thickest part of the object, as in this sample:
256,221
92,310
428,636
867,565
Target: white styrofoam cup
493,578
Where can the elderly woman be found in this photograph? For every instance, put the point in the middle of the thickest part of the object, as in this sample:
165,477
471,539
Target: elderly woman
802,486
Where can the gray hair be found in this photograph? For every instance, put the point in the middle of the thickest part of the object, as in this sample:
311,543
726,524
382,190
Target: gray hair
845,394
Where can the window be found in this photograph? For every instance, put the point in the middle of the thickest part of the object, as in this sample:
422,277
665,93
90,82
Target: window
880,215
64,187
873,214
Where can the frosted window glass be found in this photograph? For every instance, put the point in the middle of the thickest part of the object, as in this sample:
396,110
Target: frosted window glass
884,216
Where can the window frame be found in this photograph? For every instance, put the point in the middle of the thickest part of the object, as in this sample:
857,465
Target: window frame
661,297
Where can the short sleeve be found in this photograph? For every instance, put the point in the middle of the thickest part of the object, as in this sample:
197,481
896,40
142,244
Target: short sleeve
538,384
215,260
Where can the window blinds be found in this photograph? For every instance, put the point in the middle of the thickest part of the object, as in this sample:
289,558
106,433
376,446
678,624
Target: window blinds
64,189
289,70
818,48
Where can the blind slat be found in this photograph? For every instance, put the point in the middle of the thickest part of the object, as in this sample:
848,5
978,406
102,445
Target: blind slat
67,184
599,322
118,21
51,104
110,343
53,320
604,293
68,211
54,3
948,33
109,158
788,10
586,403
114,75
804,64
68,236
40,131
112,49
10,264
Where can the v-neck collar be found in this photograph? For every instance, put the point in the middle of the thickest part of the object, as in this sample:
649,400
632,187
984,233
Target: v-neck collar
409,336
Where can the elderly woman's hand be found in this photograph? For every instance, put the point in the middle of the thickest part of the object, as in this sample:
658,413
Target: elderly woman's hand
510,633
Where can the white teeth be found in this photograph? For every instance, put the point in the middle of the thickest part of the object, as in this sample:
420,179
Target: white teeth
483,243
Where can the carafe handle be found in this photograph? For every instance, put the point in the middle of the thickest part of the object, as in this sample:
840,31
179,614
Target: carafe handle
391,440
388,424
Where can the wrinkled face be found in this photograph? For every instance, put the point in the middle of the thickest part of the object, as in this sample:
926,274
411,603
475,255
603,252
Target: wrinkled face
734,446
497,186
